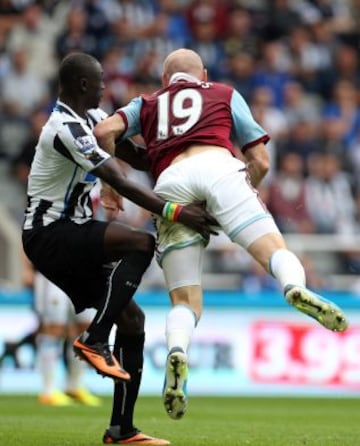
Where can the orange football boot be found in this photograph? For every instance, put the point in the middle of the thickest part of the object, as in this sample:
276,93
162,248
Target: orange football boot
100,357
133,438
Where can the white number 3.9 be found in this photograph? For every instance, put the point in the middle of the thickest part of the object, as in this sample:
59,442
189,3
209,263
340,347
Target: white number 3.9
191,113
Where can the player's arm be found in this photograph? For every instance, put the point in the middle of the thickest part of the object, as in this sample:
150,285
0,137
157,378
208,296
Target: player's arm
257,163
132,153
108,133
191,215
251,137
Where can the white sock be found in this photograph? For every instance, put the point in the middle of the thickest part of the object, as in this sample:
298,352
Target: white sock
76,369
287,269
48,354
180,325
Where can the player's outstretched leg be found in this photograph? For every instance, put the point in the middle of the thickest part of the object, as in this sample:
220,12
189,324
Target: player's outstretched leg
325,312
174,391
100,357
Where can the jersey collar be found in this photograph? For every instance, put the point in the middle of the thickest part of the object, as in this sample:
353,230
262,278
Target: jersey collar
180,76
64,108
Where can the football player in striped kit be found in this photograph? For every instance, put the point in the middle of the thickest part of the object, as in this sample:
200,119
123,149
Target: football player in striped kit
97,264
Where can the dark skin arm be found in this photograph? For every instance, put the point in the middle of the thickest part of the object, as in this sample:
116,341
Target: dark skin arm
132,153
192,215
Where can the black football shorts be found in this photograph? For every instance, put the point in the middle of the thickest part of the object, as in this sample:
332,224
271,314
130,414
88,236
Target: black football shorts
71,256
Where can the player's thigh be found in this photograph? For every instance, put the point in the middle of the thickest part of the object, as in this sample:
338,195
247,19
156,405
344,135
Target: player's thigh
183,266
66,249
239,210
119,239
183,275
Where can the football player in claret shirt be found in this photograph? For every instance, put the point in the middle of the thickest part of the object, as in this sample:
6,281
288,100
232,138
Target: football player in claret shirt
188,126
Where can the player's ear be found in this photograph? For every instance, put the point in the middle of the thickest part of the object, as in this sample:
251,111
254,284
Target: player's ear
205,75
164,80
83,84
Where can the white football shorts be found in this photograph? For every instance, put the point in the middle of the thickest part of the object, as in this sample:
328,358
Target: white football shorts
220,180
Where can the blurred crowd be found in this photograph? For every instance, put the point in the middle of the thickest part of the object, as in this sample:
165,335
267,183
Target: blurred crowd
296,62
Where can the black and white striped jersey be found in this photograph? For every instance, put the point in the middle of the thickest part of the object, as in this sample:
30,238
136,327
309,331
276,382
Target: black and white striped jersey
60,178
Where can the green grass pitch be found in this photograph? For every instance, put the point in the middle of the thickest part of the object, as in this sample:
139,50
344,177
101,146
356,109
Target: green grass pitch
208,422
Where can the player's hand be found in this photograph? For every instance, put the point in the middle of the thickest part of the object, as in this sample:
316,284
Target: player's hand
111,202
196,217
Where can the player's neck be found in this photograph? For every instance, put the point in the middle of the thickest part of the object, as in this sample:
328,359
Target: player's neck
77,106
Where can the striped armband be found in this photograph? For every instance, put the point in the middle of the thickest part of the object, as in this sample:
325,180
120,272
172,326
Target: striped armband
171,211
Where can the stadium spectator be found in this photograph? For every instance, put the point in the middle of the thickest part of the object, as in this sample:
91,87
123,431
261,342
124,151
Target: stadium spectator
329,195
345,107
271,118
35,33
9,16
300,105
209,11
75,36
270,72
305,59
286,196
240,35
273,121
326,44
22,92
344,66
190,161
206,41
97,264
282,18
22,162
332,141
130,20
97,24
239,72
178,29
303,138
118,77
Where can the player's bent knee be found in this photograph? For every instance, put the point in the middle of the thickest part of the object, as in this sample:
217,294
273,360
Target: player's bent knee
150,244
119,239
262,248
144,243
131,320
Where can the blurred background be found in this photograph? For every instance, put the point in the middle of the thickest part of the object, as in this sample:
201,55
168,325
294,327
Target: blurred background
297,64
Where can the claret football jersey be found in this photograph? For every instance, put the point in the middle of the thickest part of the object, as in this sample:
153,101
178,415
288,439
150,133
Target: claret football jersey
189,112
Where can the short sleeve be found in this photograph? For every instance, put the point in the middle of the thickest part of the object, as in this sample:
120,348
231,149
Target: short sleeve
77,142
246,130
131,115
